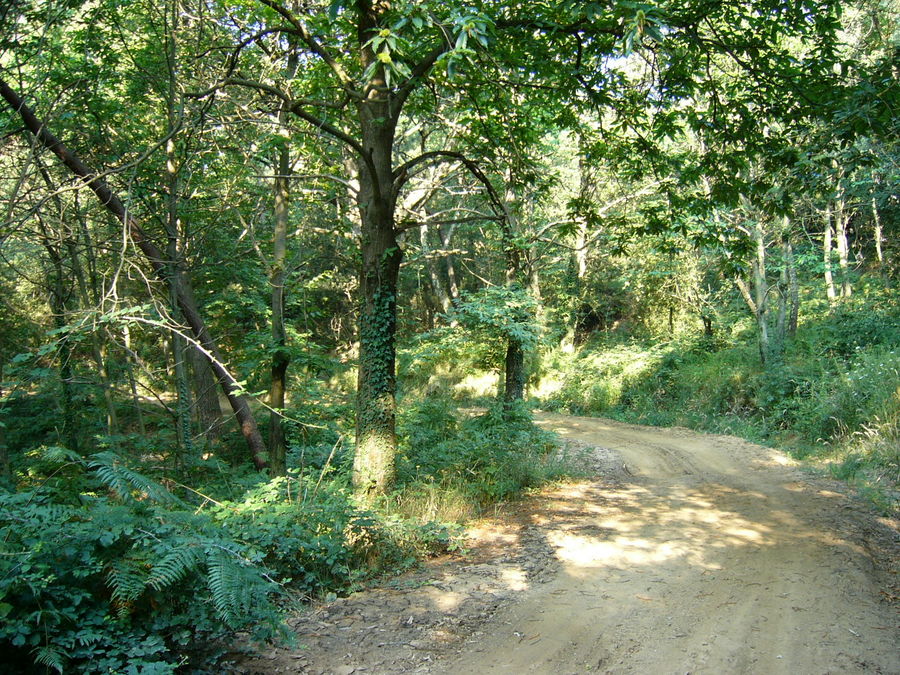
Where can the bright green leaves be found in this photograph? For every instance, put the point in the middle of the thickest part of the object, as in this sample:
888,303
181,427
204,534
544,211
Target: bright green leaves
389,48
500,313
640,20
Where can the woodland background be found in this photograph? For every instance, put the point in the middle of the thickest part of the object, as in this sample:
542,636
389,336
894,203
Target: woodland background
341,222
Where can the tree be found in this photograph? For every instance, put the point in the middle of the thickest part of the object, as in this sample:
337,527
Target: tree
370,63
182,290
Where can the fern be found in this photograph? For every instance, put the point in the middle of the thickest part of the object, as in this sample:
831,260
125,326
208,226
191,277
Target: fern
225,583
174,566
238,587
127,578
124,481
49,656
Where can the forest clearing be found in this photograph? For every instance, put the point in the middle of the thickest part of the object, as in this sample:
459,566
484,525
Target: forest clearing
326,327
684,553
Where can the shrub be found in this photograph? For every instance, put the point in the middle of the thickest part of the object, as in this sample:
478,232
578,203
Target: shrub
488,457
121,578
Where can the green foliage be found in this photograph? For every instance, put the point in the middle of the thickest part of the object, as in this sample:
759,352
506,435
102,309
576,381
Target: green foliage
307,530
498,314
488,457
121,576
474,339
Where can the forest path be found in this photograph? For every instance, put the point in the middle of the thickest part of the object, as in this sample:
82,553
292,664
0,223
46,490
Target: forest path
688,553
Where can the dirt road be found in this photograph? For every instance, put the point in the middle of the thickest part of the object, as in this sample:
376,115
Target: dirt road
688,553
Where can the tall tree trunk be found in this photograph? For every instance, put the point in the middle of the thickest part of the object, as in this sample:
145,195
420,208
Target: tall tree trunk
878,235
762,291
174,243
6,479
827,247
207,411
280,356
446,239
793,287
132,381
184,293
65,238
841,219
376,438
183,405
58,305
514,363
756,296
434,276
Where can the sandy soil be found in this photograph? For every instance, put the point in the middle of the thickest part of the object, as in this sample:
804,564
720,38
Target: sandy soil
687,553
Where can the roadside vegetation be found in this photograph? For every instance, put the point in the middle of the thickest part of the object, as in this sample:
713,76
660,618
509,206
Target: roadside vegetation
832,398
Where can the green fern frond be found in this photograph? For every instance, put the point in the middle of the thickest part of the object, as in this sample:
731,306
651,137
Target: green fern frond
124,481
232,584
50,657
57,454
174,566
223,584
127,579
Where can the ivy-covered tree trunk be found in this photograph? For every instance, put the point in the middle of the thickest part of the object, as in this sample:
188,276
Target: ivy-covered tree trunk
58,295
280,355
376,439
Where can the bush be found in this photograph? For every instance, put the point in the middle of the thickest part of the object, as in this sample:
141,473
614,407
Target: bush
487,457
121,578
309,532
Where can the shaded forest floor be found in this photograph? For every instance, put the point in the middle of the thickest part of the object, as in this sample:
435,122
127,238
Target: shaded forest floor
685,552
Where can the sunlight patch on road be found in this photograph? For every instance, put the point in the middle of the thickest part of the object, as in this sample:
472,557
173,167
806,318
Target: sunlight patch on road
638,528
515,579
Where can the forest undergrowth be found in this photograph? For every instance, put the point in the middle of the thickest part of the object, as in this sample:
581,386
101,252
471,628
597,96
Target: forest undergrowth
107,568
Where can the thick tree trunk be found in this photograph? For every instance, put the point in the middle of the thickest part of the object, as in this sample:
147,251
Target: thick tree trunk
514,370
434,276
207,411
446,238
156,258
756,296
514,363
184,433
376,439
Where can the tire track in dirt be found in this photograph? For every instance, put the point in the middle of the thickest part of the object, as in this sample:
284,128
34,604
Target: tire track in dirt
690,553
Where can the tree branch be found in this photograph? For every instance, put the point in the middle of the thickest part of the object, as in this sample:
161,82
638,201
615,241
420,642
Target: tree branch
314,46
294,106
401,175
